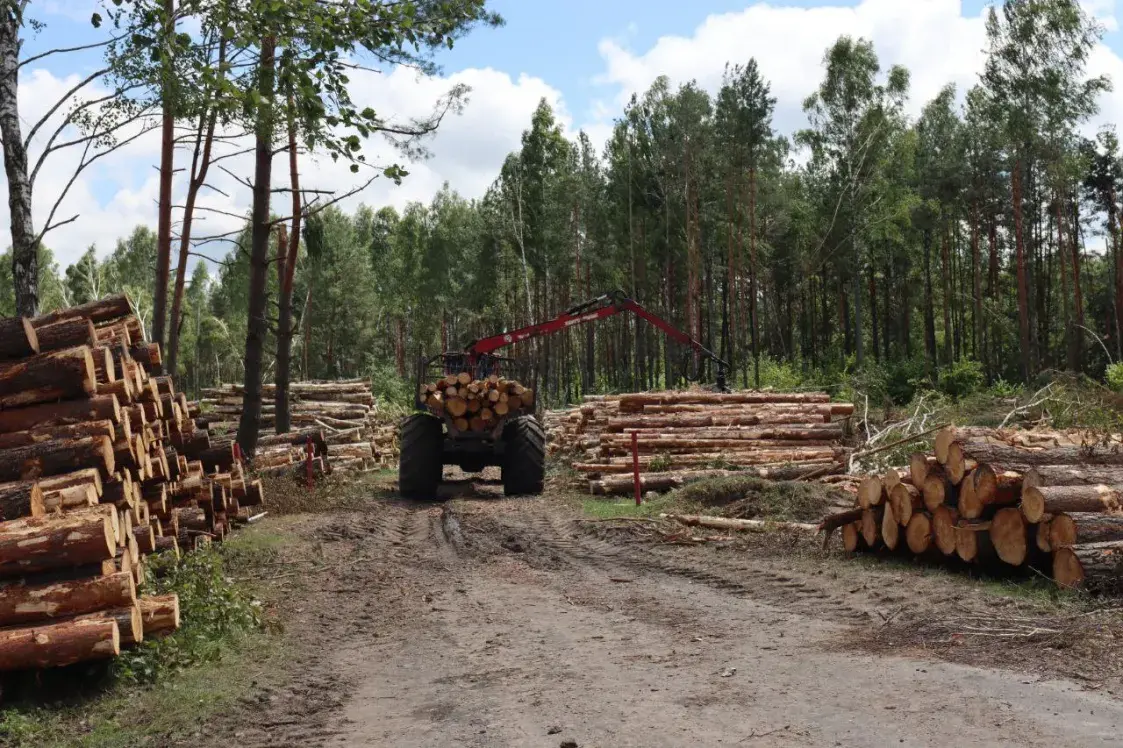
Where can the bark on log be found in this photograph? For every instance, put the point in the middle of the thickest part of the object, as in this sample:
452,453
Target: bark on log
41,543
14,439
73,497
1094,565
66,334
1021,459
21,500
159,613
58,375
54,458
17,338
61,414
832,522
746,525
58,644
20,604
1074,475
128,619
1008,534
99,311
634,402
1037,501
1066,530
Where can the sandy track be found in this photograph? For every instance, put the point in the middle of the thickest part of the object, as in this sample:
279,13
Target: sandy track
504,623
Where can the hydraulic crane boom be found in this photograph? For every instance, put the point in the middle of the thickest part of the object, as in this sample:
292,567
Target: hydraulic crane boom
599,308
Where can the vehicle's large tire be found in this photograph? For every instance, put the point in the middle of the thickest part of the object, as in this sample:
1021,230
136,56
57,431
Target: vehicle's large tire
524,457
421,462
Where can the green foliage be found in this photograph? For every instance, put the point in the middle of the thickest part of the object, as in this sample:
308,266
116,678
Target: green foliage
962,378
1114,376
390,389
779,375
214,613
1003,389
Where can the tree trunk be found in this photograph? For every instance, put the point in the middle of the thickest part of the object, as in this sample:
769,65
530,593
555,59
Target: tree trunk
283,421
946,274
200,165
753,272
167,169
929,311
1077,354
1023,280
25,257
977,285
250,422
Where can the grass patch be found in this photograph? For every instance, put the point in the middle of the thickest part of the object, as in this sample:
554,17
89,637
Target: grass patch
336,494
161,691
616,507
744,497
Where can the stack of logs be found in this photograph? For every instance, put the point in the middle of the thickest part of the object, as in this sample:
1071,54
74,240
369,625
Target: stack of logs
340,418
100,465
1051,501
691,435
476,404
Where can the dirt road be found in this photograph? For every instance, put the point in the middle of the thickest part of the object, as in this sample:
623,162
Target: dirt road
514,623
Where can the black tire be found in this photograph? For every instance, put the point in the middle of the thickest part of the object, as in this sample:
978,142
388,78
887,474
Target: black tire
524,457
421,463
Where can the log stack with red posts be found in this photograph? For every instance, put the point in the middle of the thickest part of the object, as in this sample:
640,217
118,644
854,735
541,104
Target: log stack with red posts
340,418
100,465
691,435
1001,498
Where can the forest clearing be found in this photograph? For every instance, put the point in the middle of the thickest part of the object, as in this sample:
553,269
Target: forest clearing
782,404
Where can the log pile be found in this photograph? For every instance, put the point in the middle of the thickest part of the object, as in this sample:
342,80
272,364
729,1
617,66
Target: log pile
478,405
996,498
692,435
341,418
101,464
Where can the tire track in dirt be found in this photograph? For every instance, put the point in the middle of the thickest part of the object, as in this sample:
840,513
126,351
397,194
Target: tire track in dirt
738,576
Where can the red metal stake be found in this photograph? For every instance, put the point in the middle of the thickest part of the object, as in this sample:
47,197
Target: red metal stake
635,466
308,460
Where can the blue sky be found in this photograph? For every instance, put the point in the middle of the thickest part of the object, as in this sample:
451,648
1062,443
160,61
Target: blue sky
584,56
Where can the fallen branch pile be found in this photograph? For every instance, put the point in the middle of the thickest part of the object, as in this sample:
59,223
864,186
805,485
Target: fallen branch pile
100,465
340,418
691,435
476,404
1001,498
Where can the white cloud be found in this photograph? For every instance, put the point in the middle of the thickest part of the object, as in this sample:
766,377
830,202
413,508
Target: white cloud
119,192
932,38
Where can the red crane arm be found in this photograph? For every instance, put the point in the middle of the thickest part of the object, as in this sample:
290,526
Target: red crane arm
591,311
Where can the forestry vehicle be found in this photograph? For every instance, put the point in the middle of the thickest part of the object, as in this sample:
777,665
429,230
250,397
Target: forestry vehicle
516,444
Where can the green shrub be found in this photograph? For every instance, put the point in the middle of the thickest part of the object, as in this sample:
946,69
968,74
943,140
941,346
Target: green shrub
1114,376
389,388
1003,389
961,378
214,612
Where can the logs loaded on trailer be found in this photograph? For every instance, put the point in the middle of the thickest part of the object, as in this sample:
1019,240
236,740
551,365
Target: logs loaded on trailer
686,436
478,405
347,430
1049,500
101,464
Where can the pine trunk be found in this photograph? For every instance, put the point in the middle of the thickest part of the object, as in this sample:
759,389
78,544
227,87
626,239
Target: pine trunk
25,249
249,424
